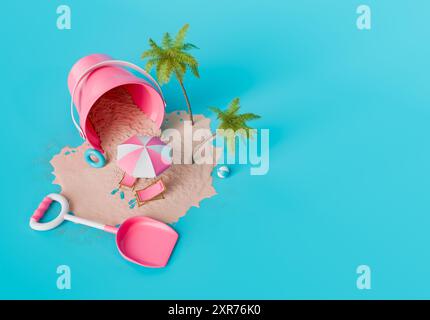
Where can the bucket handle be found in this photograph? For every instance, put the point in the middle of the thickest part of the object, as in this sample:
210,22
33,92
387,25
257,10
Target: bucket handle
104,64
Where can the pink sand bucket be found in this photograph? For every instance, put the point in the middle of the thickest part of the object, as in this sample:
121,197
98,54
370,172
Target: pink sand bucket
92,77
141,240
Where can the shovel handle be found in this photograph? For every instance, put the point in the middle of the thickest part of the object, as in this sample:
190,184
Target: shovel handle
43,207
44,226
40,211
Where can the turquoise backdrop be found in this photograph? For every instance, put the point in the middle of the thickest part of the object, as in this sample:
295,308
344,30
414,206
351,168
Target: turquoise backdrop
349,180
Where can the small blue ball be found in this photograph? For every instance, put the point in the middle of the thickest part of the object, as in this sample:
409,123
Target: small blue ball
223,172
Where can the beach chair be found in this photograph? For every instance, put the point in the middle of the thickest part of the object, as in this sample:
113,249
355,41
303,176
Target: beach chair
152,192
127,182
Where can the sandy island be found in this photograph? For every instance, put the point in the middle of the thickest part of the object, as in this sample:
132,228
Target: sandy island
89,190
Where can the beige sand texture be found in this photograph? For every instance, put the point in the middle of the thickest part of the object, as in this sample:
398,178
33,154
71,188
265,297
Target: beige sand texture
88,189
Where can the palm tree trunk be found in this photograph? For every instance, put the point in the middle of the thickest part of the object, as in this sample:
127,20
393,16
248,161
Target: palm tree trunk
201,144
190,112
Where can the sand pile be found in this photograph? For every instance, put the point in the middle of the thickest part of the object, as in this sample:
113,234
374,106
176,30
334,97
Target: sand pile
93,192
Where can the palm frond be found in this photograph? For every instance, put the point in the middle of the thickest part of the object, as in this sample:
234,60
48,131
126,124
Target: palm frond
150,64
189,46
233,107
167,41
147,54
249,116
195,71
188,61
180,37
168,71
216,110
162,75
184,57
154,45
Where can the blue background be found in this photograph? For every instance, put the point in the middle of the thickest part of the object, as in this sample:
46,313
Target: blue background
348,113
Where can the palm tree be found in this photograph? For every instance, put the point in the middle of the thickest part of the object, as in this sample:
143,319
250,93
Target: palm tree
172,58
231,123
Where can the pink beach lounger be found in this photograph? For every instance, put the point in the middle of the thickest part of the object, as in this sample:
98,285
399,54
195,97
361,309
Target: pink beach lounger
127,181
152,192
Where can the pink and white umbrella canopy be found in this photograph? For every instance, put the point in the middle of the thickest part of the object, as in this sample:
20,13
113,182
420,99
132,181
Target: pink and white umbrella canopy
144,156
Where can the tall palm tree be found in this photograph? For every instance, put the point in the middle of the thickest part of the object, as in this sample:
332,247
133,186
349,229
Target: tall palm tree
171,57
231,123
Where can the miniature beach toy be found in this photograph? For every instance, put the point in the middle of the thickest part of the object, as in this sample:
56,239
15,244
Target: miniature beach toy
144,156
223,172
141,240
152,192
95,75
127,182
94,158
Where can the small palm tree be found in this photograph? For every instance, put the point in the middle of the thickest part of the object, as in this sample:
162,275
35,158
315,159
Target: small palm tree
172,58
231,123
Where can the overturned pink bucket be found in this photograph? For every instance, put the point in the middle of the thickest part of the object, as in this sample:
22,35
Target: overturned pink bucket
94,75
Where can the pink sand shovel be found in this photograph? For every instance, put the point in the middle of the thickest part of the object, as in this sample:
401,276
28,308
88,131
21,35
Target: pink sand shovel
142,240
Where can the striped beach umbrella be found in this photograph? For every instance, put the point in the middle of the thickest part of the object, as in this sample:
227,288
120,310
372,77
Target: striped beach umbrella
144,156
